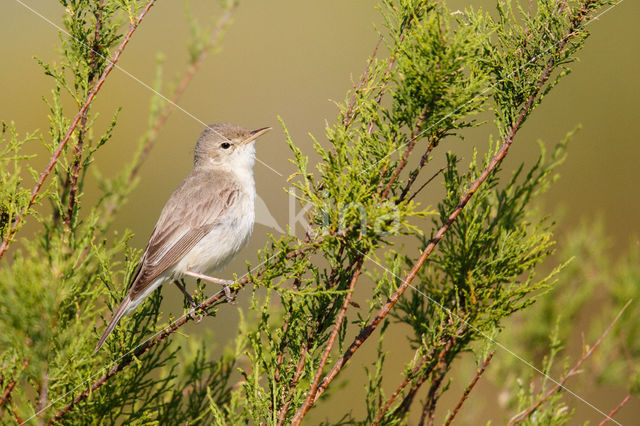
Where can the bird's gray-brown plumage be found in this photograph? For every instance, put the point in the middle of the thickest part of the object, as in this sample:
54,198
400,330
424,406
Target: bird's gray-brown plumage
207,219
182,223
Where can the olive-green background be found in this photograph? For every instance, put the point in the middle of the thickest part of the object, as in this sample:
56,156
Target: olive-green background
290,58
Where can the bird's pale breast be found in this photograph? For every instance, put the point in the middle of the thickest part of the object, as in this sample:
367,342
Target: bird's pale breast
226,238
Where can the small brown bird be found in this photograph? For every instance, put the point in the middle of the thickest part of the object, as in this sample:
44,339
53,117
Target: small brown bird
205,222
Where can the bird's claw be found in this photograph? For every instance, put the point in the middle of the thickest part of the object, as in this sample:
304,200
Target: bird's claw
196,318
229,294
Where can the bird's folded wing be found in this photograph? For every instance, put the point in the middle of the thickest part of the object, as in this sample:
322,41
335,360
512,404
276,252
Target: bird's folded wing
190,214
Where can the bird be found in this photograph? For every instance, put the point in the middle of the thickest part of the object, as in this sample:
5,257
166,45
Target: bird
205,222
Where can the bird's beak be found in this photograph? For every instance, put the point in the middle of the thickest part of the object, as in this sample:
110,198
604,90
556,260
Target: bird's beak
255,134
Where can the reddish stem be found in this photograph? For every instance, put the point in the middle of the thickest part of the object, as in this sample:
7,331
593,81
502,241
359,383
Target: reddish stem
405,156
76,120
146,347
524,414
72,179
615,410
6,395
310,400
493,164
469,388
184,82
402,386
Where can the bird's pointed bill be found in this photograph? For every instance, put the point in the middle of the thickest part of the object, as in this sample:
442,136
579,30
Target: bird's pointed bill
256,134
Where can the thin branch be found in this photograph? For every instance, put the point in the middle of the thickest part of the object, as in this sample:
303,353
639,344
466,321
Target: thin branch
415,194
436,379
282,416
6,395
615,410
44,394
304,352
76,120
403,385
433,142
285,327
524,414
223,22
392,59
15,415
469,388
493,164
310,400
72,178
217,32
407,152
159,337
350,113
429,407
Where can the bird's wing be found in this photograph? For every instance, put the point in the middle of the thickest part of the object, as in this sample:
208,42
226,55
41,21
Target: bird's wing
194,208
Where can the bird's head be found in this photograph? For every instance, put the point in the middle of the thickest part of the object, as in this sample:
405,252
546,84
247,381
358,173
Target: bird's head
227,144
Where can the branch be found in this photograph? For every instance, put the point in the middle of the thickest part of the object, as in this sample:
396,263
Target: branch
403,385
429,407
146,347
415,194
310,400
435,140
282,416
524,414
296,283
493,164
407,152
72,179
392,59
159,337
469,388
6,395
350,113
386,308
615,410
217,32
76,120
164,115
304,350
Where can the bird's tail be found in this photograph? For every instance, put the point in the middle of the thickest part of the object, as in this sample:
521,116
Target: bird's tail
117,316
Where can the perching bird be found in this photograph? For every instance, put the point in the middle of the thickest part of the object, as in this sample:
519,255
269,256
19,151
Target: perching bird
207,219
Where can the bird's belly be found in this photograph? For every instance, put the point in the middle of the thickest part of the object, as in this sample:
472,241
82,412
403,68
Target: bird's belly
221,244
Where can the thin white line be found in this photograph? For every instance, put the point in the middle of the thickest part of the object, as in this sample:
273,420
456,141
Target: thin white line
367,256
480,94
569,391
107,368
190,115
497,343
142,83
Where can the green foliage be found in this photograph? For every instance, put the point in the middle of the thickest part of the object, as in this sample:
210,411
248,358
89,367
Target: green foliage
14,197
55,285
443,72
590,291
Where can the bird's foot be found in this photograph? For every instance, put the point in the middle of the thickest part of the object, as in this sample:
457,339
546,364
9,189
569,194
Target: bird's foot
229,294
196,318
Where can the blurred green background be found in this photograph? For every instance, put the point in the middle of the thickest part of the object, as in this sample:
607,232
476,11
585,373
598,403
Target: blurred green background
290,59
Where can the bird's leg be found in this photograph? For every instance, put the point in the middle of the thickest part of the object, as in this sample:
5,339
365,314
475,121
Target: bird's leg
186,294
224,283
193,304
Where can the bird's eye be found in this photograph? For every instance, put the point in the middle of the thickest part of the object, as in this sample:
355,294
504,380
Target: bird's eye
225,145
